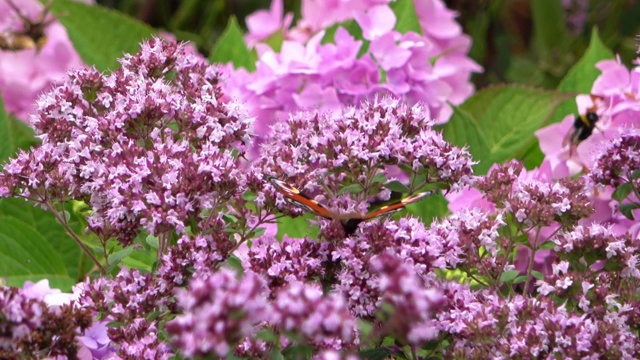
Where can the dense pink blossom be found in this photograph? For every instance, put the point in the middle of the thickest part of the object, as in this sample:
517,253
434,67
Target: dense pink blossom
282,262
487,325
415,301
26,73
29,326
218,312
323,321
425,249
143,150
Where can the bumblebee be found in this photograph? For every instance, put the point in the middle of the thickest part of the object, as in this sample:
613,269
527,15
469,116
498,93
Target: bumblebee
32,35
583,126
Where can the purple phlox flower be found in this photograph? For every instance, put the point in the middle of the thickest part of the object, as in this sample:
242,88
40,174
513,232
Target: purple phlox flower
264,23
615,97
96,340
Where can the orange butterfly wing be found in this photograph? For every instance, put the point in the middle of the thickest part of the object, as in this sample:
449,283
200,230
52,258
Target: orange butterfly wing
389,209
302,200
299,199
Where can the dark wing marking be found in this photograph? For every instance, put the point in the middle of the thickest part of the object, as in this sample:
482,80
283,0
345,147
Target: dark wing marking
300,199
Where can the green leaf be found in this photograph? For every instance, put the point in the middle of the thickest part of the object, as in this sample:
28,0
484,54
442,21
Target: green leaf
76,263
549,26
397,186
627,210
100,35
295,227
463,130
519,279
406,17
547,245
118,256
522,239
500,122
622,191
14,135
249,196
429,208
257,232
152,241
236,264
509,275
635,174
27,255
537,274
380,353
583,73
140,259
231,48
351,189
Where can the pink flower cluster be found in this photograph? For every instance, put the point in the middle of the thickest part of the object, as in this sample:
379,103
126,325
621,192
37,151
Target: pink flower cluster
323,320
289,260
487,325
361,147
221,310
149,146
30,327
415,301
218,312
307,73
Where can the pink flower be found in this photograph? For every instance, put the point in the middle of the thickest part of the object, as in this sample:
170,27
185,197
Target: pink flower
306,74
263,23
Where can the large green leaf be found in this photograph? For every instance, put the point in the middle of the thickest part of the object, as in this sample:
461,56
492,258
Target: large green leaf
14,135
98,34
27,255
463,130
231,48
498,123
296,227
75,262
582,75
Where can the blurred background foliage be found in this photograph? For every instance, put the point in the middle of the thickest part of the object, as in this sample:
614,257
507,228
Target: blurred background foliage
515,41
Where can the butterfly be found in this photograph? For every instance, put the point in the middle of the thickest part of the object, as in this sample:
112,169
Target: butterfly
349,221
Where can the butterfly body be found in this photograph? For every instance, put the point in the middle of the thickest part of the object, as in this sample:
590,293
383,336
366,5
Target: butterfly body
349,222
